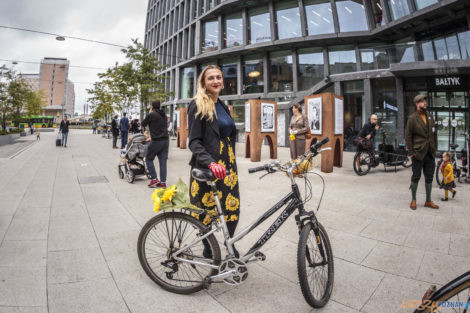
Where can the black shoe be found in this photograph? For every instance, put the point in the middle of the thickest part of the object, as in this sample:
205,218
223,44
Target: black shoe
444,199
453,193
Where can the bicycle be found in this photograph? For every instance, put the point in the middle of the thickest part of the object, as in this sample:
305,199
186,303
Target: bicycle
462,168
448,297
171,244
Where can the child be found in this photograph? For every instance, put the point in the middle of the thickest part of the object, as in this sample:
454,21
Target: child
448,175
38,134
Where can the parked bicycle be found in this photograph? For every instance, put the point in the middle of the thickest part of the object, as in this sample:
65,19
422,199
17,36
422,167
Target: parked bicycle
452,297
462,167
171,244
366,157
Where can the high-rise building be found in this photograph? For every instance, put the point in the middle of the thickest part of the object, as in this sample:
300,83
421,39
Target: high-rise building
56,87
378,54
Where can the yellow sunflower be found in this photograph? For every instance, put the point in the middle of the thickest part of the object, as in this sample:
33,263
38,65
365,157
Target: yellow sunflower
208,200
169,193
156,206
221,146
222,163
194,188
231,203
231,180
232,218
207,220
231,155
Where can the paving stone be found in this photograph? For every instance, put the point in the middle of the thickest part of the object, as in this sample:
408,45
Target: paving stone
350,247
454,225
440,268
29,226
66,234
387,232
23,309
459,245
23,253
5,221
428,240
23,286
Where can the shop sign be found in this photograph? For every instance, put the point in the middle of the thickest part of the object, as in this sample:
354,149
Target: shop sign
447,82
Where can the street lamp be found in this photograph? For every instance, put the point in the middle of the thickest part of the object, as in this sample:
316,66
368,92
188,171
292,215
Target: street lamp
60,38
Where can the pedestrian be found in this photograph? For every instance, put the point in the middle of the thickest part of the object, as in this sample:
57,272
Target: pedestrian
64,129
38,134
369,130
421,141
31,129
124,127
115,130
448,175
212,136
298,127
158,146
94,127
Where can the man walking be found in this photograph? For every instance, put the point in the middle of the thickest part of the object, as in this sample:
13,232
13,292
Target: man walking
421,140
158,146
64,129
115,130
124,127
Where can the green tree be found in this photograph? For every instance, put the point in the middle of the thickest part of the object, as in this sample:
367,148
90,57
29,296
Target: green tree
5,107
102,101
36,101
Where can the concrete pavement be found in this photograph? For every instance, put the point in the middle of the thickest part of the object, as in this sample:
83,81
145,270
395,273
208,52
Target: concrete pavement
67,246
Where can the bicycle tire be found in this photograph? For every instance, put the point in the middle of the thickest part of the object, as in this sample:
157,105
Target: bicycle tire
459,285
359,171
439,178
163,281
304,255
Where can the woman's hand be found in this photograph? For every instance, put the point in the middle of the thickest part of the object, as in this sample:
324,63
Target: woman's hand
218,170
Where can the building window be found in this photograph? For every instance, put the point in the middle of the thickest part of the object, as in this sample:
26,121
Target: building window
233,30
354,111
211,36
187,83
367,59
378,13
260,25
281,71
238,112
253,81
424,3
288,19
398,8
311,67
342,59
464,40
229,69
351,15
384,96
447,48
319,17
428,51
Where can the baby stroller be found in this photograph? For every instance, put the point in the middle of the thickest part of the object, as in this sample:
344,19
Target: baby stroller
133,159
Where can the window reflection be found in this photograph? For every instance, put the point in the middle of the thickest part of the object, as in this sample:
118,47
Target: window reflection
211,36
319,17
428,51
260,27
281,71
351,15
187,83
229,69
311,67
233,30
424,3
378,13
398,8
342,59
288,19
367,59
253,81
464,40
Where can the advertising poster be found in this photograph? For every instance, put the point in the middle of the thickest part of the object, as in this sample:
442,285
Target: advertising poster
314,109
338,116
267,117
247,117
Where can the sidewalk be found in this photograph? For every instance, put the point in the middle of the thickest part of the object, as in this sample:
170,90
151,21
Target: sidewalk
70,247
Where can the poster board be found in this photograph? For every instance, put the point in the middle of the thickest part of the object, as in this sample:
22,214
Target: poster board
247,117
339,116
315,114
178,121
267,117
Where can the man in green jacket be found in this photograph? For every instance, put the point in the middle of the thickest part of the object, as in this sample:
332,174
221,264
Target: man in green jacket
421,140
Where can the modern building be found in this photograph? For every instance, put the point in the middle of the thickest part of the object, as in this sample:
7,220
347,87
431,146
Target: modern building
378,54
32,80
56,87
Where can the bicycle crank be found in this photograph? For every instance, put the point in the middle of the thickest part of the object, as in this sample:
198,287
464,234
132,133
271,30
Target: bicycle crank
233,271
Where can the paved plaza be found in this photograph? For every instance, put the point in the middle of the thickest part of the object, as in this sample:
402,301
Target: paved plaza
68,244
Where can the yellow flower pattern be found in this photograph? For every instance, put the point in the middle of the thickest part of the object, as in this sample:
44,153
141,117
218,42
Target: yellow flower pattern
194,188
208,200
231,203
231,180
221,146
231,155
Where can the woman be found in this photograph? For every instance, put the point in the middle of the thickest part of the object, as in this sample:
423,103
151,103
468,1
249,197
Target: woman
212,137
298,127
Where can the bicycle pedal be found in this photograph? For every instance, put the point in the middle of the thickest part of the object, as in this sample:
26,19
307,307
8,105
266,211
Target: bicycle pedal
260,256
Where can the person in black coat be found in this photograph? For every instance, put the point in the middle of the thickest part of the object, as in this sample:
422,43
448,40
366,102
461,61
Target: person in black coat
369,130
64,129
115,130
212,136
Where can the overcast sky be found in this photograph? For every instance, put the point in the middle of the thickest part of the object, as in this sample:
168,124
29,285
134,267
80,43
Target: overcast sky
113,21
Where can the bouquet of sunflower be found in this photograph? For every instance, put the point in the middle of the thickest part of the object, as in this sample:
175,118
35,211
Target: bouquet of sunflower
171,198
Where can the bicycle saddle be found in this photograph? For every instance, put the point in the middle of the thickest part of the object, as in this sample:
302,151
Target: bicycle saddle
202,174
453,146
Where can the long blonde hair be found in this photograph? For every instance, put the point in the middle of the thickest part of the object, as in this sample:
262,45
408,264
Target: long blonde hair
204,103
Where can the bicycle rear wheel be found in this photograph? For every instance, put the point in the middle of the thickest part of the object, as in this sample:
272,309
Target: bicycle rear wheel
362,162
315,265
167,233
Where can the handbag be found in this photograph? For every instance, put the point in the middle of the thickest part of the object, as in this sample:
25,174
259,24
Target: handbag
308,134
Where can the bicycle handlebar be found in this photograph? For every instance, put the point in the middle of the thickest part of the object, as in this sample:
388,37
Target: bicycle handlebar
257,169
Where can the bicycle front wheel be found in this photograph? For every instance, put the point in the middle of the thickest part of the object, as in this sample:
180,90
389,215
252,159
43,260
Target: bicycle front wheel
315,265
165,234
362,162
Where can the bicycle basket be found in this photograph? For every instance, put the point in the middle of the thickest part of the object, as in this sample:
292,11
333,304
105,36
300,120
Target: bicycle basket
362,143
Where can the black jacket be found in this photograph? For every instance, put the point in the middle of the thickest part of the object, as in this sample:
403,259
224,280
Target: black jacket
64,126
115,128
157,123
367,129
204,138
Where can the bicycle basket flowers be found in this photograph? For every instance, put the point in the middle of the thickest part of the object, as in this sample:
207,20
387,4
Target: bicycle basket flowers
303,167
171,198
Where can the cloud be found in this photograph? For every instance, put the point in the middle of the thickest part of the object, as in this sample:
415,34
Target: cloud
103,20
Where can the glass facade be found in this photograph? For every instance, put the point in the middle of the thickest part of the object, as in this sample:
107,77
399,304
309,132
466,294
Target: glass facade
187,83
384,95
319,17
211,36
354,111
424,3
367,59
398,8
342,59
464,40
229,69
311,67
450,47
238,112
288,19
351,15
281,71
260,27
378,13
253,78
233,30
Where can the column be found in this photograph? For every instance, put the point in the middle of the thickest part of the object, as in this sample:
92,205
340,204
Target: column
385,11
221,33
272,24
303,18
335,15
266,75
294,71
338,88
239,76
197,48
369,14
368,97
401,110
245,23
326,62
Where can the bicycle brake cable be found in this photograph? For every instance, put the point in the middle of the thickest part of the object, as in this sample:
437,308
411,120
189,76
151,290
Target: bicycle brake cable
323,189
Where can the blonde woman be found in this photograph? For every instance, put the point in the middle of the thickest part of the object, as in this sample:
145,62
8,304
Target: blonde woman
298,127
212,137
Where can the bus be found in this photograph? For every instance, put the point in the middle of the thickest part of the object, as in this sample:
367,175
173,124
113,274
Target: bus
38,121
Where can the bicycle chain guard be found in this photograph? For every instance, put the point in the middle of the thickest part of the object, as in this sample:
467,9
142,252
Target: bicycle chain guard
239,268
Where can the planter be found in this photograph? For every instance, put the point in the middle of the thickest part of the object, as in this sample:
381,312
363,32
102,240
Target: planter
6,139
23,134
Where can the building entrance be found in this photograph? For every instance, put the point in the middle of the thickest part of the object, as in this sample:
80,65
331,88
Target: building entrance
451,113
